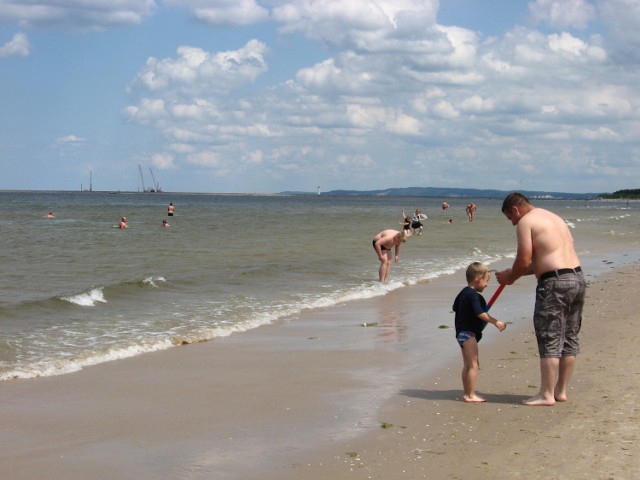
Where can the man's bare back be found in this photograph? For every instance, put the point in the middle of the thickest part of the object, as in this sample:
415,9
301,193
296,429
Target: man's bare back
551,241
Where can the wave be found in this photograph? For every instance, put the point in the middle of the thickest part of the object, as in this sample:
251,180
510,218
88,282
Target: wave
86,299
94,296
206,322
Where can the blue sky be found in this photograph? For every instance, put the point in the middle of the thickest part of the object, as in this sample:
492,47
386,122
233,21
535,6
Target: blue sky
271,95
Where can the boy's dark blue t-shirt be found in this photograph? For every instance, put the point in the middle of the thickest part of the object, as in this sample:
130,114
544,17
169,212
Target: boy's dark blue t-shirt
468,305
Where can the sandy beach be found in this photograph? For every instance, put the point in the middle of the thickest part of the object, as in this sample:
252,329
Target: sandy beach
345,393
427,432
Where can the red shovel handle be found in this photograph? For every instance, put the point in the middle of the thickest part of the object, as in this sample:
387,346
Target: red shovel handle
495,295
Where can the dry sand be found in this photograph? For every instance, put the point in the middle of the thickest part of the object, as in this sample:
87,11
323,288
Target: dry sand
309,399
427,432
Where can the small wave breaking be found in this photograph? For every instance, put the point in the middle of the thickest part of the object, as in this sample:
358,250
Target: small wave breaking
86,299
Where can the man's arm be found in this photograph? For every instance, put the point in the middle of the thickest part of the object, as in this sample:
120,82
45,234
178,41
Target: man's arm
378,249
523,263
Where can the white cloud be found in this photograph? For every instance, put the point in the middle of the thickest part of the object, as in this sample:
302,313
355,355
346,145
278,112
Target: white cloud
444,109
383,84
224,12
455,95
360,24
70,140
359,161
622,18
76,14
476,104
563,13
565,42
197,72
205,159
164,161
18,46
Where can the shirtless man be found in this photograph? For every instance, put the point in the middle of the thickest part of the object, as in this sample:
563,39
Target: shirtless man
545,249
471,211
382,244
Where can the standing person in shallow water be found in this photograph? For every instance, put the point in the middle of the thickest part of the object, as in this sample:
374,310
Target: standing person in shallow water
406,224
416,222
471,319
171,209
545,249
471,211
382,243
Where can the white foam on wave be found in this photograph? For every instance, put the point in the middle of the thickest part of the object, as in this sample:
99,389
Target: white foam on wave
153,281
49,368
258,317
86,299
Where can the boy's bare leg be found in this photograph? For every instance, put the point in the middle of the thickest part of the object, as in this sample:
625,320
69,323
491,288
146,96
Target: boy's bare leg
565,371
548,374
470,371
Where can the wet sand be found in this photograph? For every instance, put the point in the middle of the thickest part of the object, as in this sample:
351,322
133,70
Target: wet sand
323,396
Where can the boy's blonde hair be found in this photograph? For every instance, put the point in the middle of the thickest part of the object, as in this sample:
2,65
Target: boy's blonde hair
475,270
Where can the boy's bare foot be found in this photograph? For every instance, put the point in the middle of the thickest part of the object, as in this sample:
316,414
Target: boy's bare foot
539,401
473,399
560,397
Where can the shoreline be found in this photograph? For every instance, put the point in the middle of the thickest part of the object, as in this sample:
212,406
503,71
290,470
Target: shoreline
308,398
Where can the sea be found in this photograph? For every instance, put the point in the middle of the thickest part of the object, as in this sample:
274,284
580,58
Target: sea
76,290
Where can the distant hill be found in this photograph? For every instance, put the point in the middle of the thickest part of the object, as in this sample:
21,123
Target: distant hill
453,193
629,194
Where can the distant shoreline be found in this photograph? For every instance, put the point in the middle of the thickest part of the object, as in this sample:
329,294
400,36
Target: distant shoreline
428,192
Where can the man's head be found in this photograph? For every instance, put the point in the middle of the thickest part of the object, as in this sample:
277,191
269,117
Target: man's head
514,206
401,236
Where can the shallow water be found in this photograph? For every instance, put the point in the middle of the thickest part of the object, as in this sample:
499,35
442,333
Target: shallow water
76,290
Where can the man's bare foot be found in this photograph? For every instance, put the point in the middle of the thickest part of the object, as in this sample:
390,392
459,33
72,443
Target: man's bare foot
473,399
539,401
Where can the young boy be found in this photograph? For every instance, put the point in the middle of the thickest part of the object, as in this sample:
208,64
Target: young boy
471,318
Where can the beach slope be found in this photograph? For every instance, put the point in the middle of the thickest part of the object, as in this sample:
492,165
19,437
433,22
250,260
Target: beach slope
320,398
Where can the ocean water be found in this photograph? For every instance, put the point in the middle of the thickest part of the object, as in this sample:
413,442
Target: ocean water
76,291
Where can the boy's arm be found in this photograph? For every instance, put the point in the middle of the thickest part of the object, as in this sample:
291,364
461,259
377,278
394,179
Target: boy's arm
488,318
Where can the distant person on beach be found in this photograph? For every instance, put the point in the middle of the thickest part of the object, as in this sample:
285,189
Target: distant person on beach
165,223
471,211
545,249
416,221
471,319
171,209
50,215
123,223
382,243
445,206
406,224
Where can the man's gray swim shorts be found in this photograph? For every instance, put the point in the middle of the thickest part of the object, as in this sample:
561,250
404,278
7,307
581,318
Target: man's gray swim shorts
558,312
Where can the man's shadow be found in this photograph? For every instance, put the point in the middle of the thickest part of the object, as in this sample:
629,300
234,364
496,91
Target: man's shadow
456,396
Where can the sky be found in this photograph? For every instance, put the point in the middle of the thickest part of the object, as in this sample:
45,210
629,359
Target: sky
266,96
